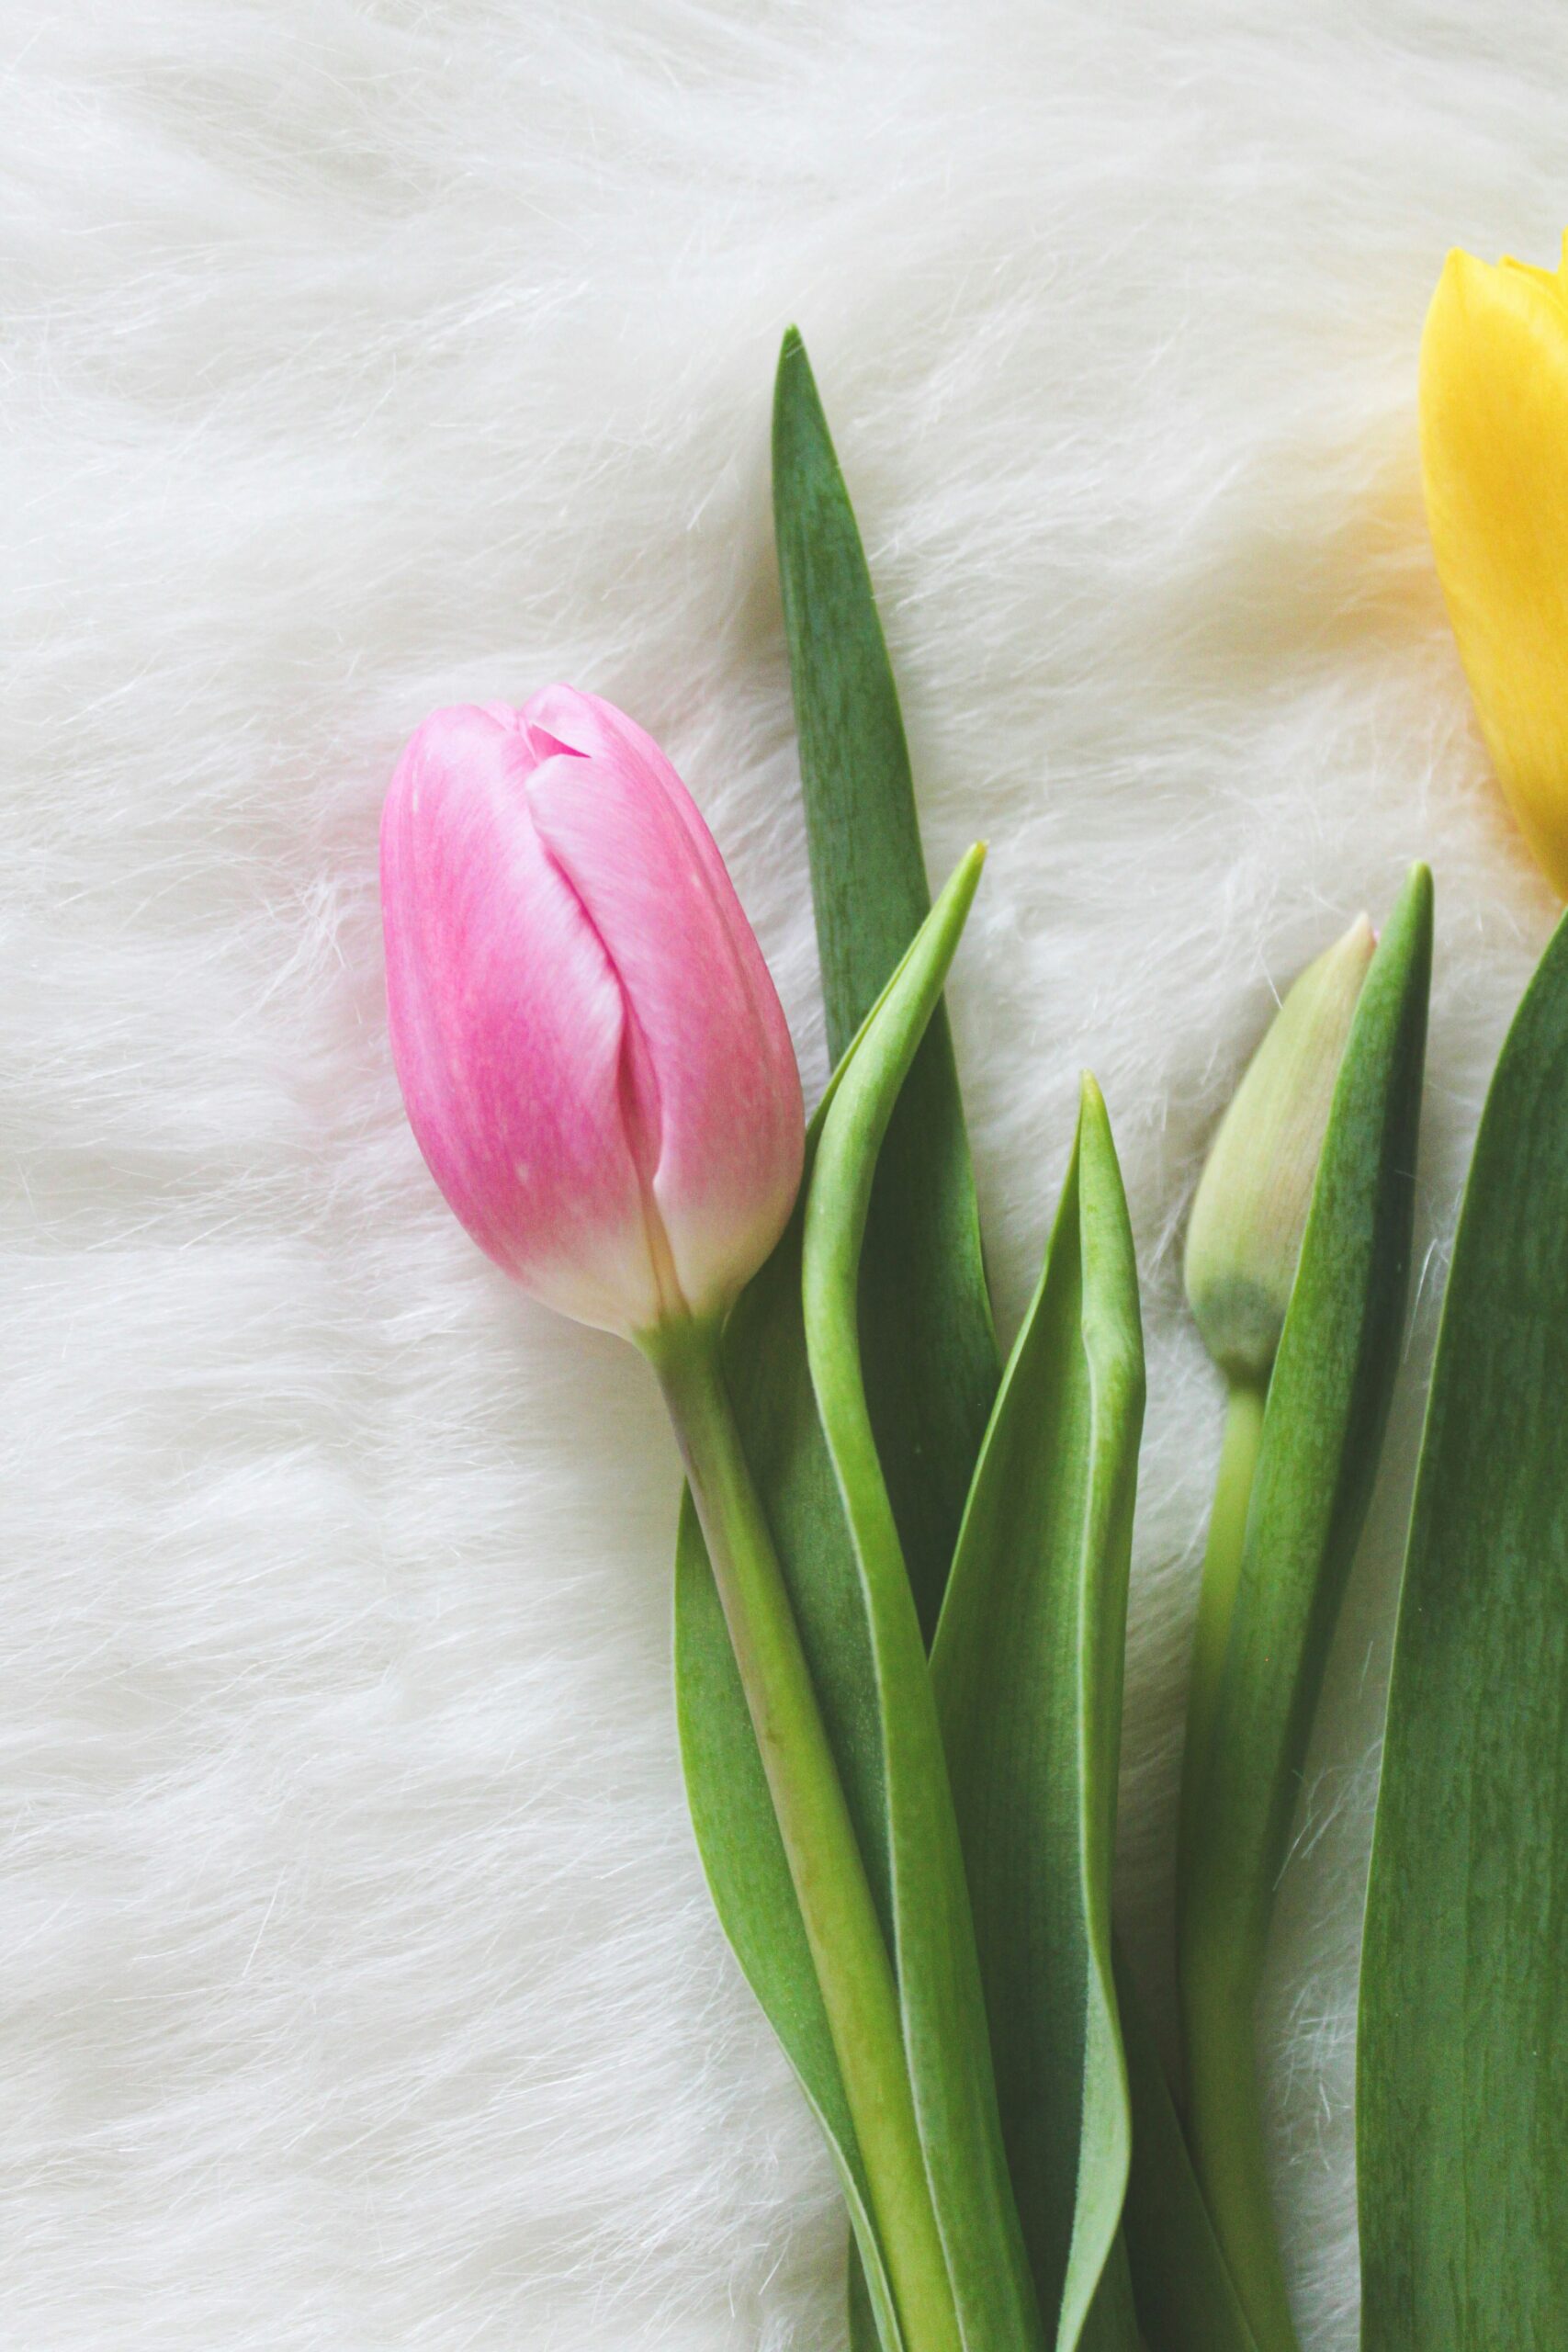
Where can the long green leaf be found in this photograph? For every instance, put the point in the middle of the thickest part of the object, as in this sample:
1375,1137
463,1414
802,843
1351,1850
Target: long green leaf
1028,1664
924,1311
927,1345
1462,2063
743,1857
927,1342
1328,1401
938,1969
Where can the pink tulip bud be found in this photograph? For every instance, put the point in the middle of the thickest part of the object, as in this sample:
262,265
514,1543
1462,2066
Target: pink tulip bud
593,1054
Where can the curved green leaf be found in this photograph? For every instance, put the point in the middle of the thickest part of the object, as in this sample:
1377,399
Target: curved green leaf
1462,2063
938,1970
1327,1404
743,1857
1028,1665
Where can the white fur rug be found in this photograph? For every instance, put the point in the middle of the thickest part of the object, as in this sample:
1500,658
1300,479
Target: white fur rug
360,1988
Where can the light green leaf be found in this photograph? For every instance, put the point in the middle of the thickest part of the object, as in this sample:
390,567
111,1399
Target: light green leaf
938,1970
1028,1665
765,1360
1462,2063
1322,1430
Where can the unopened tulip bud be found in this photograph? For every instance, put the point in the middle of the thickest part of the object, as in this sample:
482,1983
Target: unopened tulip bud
1250,1212
1242,1244
593,1054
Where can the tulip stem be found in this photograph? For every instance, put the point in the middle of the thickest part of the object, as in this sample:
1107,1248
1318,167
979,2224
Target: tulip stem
1216,1599
848,1947
1224,2120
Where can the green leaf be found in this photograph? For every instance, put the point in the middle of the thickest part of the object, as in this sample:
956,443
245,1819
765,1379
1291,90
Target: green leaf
933,1933
1322,1430
1462,2080
766,1368
868,874
1028,1665
925,1316
928,1348
1183,2292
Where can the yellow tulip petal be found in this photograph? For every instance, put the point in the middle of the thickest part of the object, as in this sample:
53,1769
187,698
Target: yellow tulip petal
1494,457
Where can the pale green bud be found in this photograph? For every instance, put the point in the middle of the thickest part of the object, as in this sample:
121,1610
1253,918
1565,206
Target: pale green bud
1250,1212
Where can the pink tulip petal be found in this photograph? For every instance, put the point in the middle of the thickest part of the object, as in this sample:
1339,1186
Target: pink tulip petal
594,1059
703,1010
508,1025
563,717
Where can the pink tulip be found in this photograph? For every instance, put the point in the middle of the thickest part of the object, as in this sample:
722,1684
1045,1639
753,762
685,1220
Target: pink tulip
593,1056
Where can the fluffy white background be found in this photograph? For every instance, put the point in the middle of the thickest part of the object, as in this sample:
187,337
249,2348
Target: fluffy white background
360,1989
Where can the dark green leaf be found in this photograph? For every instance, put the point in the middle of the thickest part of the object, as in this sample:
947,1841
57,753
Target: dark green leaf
924,1312
1462,2079
928,1348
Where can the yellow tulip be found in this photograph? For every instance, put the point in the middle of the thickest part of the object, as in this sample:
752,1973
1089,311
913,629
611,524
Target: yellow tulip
1495,459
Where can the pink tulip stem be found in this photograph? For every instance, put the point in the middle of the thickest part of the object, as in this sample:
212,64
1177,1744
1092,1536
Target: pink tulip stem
853,1967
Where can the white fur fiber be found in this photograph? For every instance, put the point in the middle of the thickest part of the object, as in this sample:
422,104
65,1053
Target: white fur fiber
360,1988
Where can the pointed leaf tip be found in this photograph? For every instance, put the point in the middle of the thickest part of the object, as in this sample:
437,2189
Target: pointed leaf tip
793,362
964,878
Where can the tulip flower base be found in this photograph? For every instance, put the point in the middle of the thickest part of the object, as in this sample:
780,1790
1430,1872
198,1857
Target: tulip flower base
902,1568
